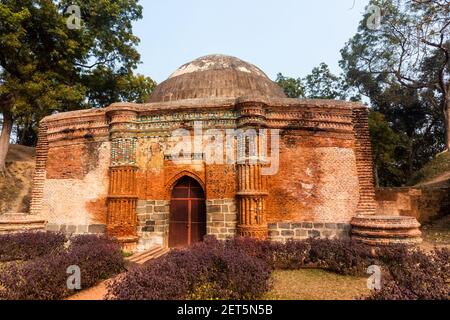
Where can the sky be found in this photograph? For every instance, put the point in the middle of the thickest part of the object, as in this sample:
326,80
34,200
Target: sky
287,36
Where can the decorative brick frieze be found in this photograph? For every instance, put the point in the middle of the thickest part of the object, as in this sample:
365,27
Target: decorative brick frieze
123,151
76,127
283,231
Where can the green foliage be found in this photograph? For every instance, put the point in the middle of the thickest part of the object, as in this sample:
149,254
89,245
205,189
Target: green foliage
402,67
322,84
46,67
106,87
384,143
438,166
293,88
319,84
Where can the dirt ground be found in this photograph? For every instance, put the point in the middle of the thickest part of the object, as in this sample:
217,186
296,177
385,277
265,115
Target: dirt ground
95,293
436,234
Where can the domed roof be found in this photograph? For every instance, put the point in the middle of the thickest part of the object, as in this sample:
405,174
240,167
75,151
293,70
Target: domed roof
216,76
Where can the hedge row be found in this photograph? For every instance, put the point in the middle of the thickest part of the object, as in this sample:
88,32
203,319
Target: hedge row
45,277
241,269
29,245
208,270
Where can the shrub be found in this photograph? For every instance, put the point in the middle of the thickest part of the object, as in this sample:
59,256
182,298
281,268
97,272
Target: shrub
288,256
209,270
414,275
90,239
29,245
341,256
45,278
99,257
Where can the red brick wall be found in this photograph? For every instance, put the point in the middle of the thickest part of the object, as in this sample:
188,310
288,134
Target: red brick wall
72,161
424,204
308,163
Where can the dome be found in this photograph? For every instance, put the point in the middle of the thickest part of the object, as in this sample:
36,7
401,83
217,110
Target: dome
216,76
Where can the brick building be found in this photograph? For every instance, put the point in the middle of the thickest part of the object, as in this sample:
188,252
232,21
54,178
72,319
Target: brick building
112,170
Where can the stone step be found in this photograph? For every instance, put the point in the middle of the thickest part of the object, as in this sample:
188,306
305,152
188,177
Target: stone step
17,222
154,255
151,254
139,255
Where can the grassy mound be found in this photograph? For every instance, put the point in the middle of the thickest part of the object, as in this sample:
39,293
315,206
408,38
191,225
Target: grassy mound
435,173
15,188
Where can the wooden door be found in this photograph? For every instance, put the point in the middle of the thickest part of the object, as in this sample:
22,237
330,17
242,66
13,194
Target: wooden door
187,220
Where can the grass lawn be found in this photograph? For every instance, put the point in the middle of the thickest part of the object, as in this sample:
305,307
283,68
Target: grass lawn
316,284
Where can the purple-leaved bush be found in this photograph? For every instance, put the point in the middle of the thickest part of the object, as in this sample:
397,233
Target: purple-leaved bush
45,277
240,269
411,274
236,269
208,270
29,245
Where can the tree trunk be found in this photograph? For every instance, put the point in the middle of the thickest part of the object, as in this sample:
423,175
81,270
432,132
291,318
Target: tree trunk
447,119
377,178
5,139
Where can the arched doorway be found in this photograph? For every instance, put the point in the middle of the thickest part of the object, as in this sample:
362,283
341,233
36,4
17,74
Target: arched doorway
187,219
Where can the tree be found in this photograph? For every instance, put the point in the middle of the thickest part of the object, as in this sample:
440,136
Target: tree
410,48
293,88
319,84
322,84
47,65
385,141
104,86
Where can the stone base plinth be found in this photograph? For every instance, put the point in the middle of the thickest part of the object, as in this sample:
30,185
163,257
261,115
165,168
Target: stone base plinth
386,230
19,222
284,231
255,232
128,244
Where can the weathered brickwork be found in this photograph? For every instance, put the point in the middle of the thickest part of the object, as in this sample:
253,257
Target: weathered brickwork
424,204
77,201
363,150
40,172
284,231
112,167
78,159
221,218
317,180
